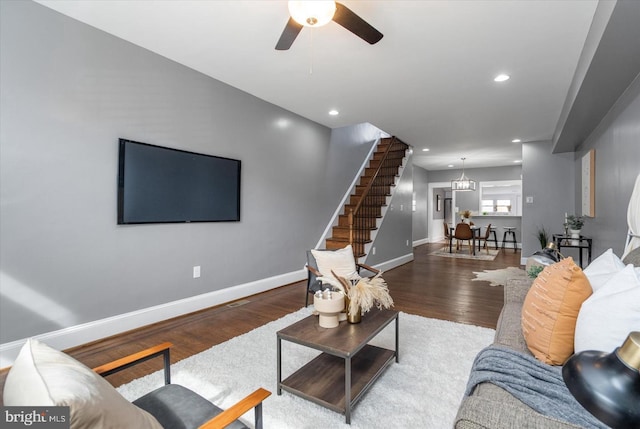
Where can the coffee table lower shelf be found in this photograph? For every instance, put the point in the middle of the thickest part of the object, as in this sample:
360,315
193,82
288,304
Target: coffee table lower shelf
323,379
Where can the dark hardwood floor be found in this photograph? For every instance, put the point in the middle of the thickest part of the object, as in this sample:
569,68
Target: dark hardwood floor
430,286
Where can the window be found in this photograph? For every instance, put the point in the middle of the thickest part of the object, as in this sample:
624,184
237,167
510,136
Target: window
501,197
503,206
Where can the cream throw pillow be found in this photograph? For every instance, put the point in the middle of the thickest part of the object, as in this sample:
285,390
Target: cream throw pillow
550,311
607,316
43,376
339,261
603,268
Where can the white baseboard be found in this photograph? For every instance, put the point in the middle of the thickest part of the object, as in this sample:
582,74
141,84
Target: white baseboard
385,266
421,242
98,329
87,332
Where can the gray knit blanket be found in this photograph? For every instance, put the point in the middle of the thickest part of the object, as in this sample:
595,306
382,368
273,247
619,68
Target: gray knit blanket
538,385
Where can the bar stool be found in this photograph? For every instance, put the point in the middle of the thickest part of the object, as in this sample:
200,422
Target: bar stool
492,233
509,232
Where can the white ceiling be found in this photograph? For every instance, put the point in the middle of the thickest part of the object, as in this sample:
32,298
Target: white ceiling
429,81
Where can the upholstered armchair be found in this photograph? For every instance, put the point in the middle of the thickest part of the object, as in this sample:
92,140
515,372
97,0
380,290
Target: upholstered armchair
43,376
321,263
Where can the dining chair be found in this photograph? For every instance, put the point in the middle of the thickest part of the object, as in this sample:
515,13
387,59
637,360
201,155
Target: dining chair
463,232
485,238
447,234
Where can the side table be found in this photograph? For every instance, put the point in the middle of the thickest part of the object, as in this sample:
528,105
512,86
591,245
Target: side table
582,243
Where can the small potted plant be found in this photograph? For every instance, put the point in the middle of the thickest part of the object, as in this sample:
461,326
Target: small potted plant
575,224
543,237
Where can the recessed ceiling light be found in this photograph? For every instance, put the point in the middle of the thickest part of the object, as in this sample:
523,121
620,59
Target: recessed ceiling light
282,123
517,161
501,78
516,141
425,150
334,112
450,165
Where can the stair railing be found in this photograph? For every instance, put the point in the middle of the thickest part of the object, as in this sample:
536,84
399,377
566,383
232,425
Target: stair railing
363,216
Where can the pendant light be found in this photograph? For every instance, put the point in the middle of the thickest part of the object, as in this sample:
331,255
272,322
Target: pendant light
463,183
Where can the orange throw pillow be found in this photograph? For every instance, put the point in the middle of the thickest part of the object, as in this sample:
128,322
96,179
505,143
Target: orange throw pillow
550,311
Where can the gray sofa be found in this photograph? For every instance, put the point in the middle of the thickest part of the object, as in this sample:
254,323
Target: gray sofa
489,406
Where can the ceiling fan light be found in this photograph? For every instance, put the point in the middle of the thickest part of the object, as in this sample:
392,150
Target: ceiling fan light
312,13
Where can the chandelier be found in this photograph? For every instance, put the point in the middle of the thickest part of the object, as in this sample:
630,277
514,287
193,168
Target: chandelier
463,183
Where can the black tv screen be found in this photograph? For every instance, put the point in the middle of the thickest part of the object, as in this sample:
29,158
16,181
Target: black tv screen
162,185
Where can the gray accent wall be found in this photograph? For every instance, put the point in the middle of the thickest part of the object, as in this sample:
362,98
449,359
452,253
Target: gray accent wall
394,239
420,193
549,180
554,180
616,142
68,92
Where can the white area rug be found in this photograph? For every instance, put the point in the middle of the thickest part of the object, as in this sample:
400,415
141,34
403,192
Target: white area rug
499,277
423,390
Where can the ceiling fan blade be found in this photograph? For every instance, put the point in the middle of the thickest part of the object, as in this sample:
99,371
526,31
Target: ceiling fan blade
289,34
358,26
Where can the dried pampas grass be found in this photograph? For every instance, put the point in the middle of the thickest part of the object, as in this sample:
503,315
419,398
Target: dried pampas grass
367,293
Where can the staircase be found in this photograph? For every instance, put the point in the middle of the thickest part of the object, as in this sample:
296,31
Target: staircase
365,206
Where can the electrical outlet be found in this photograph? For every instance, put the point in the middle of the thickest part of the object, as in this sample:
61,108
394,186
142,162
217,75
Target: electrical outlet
373,250
407,243
196,272
529,200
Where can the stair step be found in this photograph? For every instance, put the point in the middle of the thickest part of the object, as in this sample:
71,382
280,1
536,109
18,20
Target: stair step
383,146
384,172
369,201
375,211
396,156
378,190
343,220
342,232
388,181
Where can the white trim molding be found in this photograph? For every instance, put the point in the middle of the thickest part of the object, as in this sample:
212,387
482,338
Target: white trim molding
393,263
98,329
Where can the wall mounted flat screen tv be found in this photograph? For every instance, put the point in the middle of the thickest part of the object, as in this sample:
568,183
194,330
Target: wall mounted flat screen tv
163,185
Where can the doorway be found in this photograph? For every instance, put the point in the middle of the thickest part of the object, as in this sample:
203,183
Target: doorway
440,203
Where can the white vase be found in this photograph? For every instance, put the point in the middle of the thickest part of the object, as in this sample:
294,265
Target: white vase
575,233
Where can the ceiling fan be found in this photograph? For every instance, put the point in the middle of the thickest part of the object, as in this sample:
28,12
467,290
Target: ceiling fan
319,13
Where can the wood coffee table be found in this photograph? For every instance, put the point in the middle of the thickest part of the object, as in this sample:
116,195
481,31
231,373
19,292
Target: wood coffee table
347,366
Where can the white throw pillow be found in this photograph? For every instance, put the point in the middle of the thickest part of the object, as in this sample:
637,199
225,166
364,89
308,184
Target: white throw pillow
341,262
603,268
606,317
43,376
